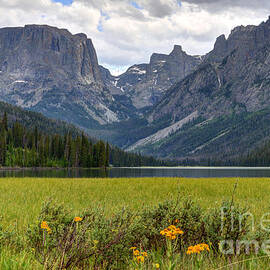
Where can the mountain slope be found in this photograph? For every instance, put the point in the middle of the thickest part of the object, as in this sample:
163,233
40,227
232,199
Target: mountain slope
49,70
177,106
232,77
219,138
33,119
233,81
143,85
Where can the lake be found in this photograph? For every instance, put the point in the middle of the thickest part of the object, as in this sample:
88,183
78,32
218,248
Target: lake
194,172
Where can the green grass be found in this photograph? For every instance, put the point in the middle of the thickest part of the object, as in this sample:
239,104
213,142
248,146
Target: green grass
21,198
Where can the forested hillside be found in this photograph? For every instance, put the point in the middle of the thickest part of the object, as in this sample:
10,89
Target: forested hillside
29,139
20,146
259,157
33,119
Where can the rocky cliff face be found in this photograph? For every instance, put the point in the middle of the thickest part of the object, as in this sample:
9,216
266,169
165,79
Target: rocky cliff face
234,77
49,70
145,84
227,94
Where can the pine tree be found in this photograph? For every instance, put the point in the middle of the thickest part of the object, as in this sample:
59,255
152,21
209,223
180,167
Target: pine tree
3,148
72,158
107,163
68,141
36,138
102,155
95,155
47,149
84,151
5,122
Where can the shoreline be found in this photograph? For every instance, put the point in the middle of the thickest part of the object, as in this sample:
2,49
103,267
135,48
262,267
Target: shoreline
45,168
142,167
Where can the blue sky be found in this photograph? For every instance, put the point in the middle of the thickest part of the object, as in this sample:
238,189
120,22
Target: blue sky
135,4
104,16
64,2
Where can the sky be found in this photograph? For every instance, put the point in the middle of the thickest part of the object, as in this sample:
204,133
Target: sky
127,32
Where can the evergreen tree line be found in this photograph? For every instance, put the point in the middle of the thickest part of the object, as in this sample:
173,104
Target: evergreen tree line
120,158
258,157
23,147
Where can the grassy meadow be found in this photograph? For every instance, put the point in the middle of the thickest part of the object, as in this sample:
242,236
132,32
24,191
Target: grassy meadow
21,198
21,201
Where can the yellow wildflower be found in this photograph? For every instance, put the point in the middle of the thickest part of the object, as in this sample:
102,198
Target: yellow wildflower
77,219
138,256
157,265
144,254
171,232
197,249
140,259
44,225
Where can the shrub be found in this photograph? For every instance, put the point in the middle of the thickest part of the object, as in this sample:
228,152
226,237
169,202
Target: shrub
61,241
185,214
57,240
93,240
226,225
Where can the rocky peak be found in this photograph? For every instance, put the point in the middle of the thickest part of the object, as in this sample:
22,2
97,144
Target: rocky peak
221,44
81,35
145,84
137,69
235,72
220,50
243,41
42,27
177,51
174,55
268,21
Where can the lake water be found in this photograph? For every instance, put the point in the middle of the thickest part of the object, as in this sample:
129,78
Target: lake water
196,172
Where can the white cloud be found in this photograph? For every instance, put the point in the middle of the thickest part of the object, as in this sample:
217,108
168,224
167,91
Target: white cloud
130,35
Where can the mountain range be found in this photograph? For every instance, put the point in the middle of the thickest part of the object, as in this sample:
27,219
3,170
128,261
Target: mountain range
176,106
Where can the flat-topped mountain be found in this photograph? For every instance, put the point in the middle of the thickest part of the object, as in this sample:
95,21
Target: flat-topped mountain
49,70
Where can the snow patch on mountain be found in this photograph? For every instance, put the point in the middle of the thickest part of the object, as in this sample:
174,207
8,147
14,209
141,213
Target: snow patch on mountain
20,81
115,82
137,70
